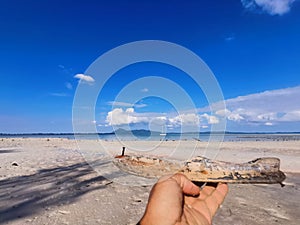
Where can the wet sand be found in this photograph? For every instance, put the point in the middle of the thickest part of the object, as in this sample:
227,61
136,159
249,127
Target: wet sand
47,181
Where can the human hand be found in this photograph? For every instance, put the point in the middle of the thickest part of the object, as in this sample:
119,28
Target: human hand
176,200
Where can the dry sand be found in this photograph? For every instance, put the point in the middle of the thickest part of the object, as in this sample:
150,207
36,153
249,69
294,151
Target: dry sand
47,181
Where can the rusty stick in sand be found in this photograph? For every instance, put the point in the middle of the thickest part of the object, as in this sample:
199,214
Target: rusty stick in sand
123,151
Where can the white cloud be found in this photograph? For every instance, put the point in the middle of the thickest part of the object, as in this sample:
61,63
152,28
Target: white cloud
158,120
119,116
145,90
235,117
280,105
267,116
125,104
272,7
223,112
210,119
291,116
69,85
189,119
86,78
59,94
230,37
268,108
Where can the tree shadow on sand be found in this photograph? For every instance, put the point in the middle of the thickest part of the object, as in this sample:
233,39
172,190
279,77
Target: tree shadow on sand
23,196
8,150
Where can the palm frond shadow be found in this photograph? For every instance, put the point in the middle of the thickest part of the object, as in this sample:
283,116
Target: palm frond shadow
27,195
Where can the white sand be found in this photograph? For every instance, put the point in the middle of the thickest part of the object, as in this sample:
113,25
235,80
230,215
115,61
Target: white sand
47,181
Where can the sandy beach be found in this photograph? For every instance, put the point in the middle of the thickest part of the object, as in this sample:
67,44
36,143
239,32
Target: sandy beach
48,181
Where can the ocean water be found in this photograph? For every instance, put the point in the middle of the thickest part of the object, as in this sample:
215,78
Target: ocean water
169,137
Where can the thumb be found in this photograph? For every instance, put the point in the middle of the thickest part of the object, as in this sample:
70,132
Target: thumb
187,186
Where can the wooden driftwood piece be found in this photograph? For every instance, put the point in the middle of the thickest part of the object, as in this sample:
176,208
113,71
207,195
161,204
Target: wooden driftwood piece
200,169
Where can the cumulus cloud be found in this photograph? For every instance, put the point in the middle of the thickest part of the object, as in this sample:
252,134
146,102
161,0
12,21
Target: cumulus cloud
291,116
272,7
86,78
223,112
267,107
189,119
210,119
235,117
119,117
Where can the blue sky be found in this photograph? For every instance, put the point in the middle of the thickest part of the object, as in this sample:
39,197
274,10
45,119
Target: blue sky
251,46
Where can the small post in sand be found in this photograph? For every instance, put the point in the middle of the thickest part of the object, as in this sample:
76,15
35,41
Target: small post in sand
123,151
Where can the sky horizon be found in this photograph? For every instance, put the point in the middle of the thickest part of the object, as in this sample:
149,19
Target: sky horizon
251,47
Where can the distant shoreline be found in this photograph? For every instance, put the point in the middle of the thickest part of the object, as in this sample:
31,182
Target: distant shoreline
121,131
145,135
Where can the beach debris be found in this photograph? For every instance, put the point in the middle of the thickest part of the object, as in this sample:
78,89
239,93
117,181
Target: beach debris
123,151
63,212
197,139
15,164
136,202
108,182
201,169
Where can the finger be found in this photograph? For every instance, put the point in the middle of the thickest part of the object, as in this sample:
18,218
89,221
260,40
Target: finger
215,199
220,193
206,191
210,199
188,187
184,183
212,204
207,207
222,188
